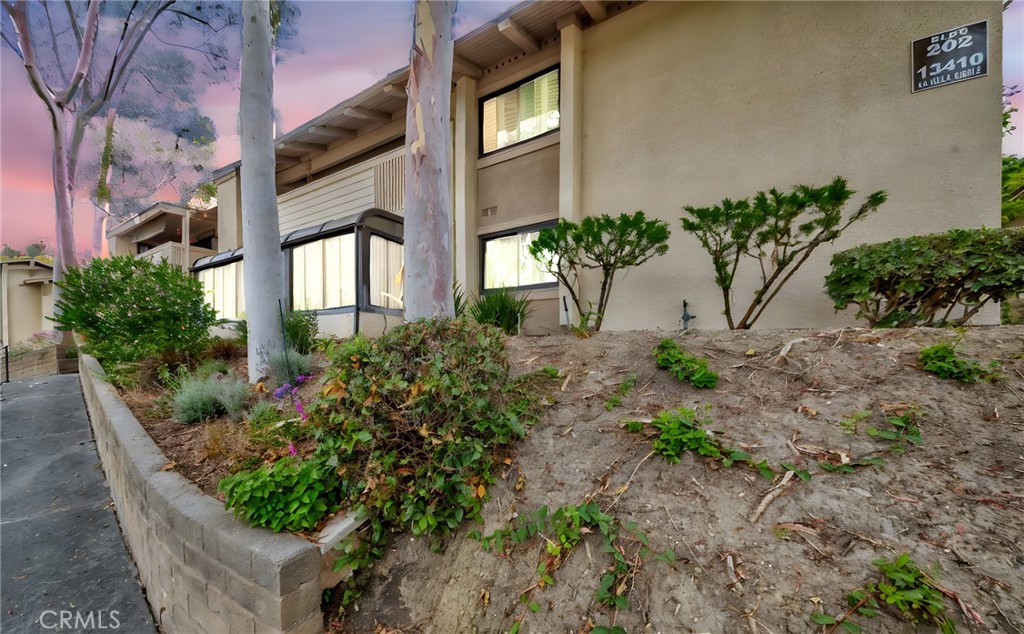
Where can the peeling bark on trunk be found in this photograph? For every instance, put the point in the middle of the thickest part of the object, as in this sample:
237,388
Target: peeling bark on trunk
263,260
428,201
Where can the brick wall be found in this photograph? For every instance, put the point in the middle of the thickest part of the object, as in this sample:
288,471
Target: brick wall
204,571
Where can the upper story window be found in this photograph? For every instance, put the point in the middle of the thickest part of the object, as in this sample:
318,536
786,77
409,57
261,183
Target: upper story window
527,110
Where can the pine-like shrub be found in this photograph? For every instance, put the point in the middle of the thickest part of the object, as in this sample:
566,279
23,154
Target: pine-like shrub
931,280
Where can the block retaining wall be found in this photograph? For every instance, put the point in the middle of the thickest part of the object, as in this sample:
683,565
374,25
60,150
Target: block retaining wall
204,571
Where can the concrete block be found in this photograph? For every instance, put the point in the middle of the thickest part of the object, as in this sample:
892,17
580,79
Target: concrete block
297,606
313,625
238,619
187,580
284,563
205,566
206,620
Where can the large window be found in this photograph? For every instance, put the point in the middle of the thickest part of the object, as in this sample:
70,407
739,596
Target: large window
525,111
386,257
225,290
324,273
508,263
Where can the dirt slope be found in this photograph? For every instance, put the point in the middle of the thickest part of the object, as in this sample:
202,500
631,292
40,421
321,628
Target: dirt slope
955,503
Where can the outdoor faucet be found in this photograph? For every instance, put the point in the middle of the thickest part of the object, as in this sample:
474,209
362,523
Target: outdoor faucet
686,317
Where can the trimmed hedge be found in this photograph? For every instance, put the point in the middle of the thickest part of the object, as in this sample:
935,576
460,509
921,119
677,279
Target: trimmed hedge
922,280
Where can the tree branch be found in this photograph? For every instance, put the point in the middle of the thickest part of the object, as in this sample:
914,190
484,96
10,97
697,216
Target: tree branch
85,55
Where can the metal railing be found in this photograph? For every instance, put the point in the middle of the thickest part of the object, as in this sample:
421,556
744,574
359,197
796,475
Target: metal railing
7,365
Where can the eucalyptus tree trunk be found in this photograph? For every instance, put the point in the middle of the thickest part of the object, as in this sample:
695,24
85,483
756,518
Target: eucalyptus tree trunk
263,261
428,146
63,120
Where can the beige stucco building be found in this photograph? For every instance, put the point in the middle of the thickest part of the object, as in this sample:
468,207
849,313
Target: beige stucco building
567,109
26,299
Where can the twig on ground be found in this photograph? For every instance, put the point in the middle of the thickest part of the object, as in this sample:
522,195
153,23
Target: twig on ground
734,581
771,496
1006,618
625,487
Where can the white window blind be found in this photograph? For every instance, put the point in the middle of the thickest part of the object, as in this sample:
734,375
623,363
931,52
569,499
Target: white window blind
527,111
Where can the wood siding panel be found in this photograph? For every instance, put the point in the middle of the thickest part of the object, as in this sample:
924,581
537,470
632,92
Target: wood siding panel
332,199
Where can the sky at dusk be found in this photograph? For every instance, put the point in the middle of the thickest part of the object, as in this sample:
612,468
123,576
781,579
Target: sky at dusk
341,47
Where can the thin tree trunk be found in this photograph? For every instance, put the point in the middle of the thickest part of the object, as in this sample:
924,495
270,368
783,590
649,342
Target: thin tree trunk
428,274
263,261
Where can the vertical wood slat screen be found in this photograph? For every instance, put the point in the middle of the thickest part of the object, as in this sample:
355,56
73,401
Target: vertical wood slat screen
389,184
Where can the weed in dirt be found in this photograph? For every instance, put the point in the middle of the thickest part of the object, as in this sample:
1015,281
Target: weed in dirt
943,361
913,593
562,531
621,392
681,431
852,465
849,424
904,427
684,366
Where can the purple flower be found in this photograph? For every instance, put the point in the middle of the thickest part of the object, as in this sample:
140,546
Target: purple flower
292,451
302,412
299,380
281,391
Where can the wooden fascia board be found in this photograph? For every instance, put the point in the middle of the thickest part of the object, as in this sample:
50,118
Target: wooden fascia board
343,152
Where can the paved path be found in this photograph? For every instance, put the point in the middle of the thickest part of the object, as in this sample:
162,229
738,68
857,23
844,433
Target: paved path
63,564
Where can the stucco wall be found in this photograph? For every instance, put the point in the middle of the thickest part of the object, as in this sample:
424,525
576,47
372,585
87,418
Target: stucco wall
26,307
689,103
524,189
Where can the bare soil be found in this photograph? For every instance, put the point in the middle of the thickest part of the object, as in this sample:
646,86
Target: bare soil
955,503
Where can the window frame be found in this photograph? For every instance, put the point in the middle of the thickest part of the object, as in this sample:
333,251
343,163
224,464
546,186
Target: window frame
506,90
370,233
326,310
484,239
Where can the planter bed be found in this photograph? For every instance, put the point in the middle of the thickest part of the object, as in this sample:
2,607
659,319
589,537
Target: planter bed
204,571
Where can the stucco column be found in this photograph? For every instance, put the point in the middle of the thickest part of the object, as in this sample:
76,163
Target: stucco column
570,148
467,141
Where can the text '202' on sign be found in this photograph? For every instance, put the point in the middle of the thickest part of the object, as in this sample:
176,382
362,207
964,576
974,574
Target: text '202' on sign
950,56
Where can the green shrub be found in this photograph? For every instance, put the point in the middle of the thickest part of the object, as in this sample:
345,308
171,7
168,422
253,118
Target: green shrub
501,308
684,366
198,400
225,349
264,414
418,412
943,361
779,230
284,366
300,330
291,495
608,244
127,309
922,280
234,396
211,367
201,398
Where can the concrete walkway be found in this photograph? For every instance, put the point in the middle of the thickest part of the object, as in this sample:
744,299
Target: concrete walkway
63,564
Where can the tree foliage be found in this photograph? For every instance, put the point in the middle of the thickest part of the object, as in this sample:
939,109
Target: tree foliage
779,230
605,243
1012,191
922,280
